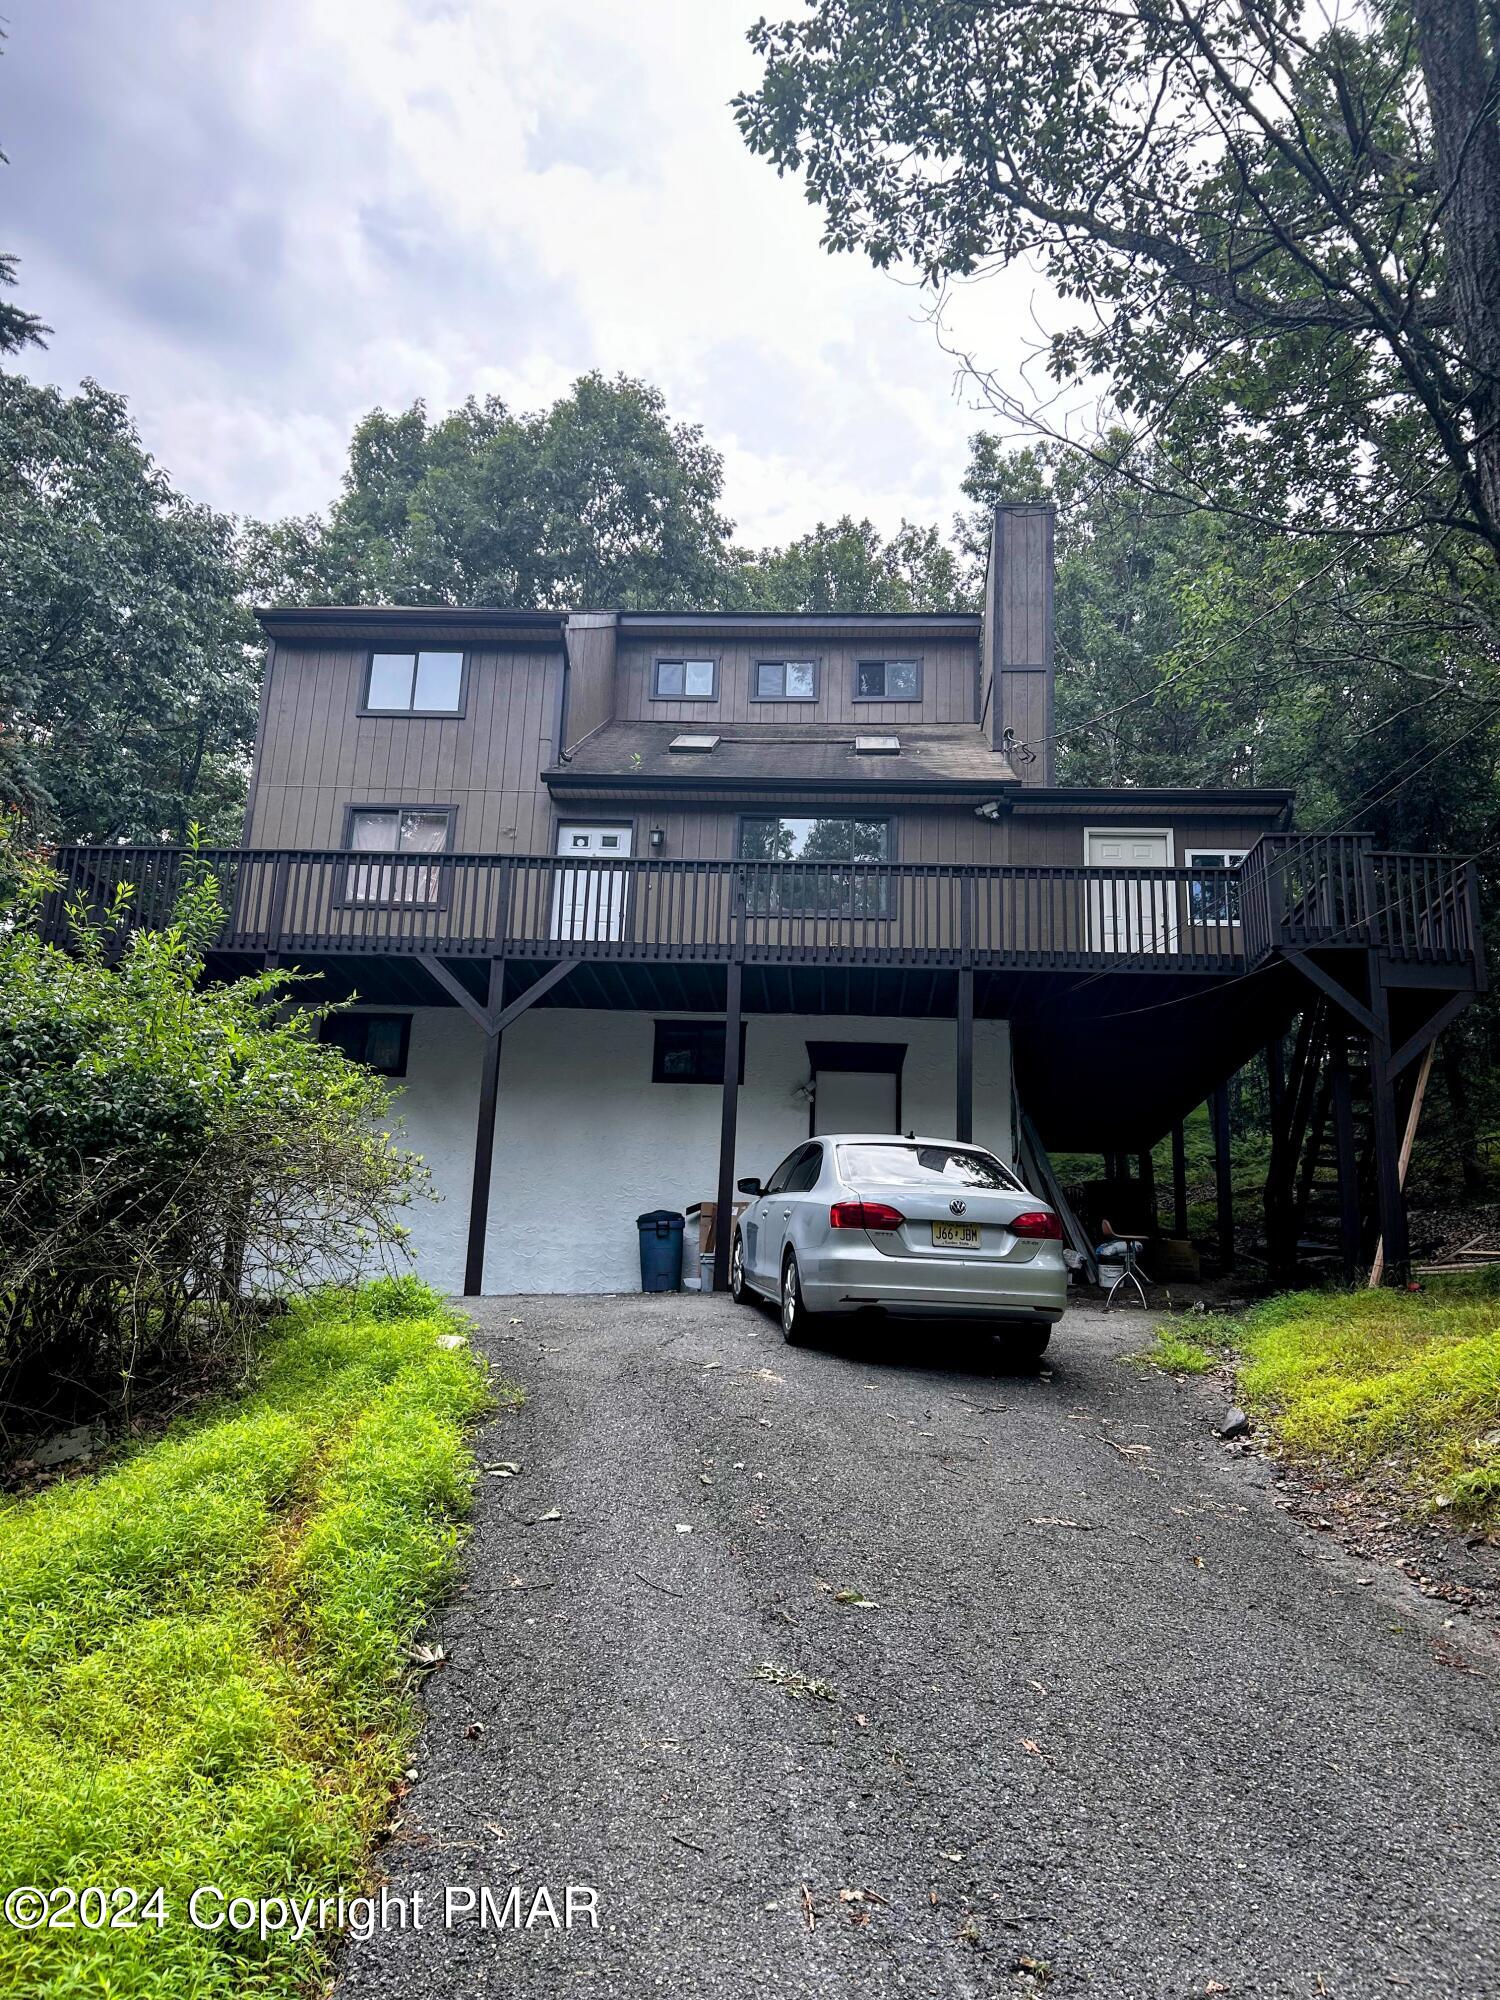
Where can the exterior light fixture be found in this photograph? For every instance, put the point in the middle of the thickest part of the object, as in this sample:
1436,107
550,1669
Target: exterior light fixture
657,838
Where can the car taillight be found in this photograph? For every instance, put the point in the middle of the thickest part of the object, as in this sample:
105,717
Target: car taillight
1036,1222
864,1215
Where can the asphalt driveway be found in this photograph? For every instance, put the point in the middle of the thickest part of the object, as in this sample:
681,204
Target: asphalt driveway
1032,1663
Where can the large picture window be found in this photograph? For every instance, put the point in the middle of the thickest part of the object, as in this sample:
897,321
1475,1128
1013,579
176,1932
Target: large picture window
390,830
415,684
832,881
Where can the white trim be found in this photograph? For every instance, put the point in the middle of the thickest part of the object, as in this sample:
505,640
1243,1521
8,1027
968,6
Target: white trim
1131,833
1233,856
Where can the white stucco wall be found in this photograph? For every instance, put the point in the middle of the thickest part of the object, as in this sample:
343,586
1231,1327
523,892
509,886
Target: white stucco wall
585,1141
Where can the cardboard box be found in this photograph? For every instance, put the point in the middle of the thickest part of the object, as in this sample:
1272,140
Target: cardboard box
706,1223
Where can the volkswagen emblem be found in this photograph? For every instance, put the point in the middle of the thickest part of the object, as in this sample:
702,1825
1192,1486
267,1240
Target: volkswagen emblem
957,1207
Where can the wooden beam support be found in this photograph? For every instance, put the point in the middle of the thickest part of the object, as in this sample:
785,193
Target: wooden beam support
1326,983
1179,1182
728,1125
1392,1256
454,987
1428,1033
964,1109
1348,1163
553,976
484,1140
1223,1180
1413,1118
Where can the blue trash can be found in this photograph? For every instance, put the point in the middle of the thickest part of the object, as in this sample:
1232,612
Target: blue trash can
661,1250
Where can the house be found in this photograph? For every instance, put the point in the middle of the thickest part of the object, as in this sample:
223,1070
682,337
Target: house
632,902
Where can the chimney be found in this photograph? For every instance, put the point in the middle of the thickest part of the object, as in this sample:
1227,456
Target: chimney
1016,681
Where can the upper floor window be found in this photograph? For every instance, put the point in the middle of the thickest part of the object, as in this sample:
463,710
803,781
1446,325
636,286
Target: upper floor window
1216,899
685,680
888,680
415,684
786,680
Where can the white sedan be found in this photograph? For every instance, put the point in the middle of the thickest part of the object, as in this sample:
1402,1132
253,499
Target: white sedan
864,1222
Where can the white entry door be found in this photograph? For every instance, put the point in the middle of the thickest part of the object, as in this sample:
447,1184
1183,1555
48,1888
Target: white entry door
854,1100
1125,913
589,901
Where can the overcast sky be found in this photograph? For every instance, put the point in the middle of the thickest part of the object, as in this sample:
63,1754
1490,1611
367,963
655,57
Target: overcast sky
258,218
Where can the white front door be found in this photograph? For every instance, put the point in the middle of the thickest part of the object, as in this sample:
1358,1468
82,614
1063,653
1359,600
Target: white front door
589,901
1126,913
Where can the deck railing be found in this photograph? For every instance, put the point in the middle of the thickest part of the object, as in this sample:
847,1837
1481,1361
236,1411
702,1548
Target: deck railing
1331,890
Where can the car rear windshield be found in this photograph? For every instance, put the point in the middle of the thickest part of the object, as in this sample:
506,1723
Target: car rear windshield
905,1164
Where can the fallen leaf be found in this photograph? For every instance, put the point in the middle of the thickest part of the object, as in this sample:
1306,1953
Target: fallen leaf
856,1599
951,1854
1032,1748
863,1721
502,1468
474,1731
807,1908
684,1528
552,1514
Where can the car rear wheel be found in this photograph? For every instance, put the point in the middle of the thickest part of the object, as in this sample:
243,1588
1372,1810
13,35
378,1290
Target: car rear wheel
796,1321
739,1291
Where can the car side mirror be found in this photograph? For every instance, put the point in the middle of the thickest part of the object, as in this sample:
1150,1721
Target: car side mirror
750,1187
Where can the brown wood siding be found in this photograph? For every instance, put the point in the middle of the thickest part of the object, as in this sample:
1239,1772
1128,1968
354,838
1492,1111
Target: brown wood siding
591,674
948,678
319,755
1022,558
1045,840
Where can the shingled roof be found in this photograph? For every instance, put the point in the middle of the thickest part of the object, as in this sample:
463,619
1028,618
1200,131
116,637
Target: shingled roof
789,754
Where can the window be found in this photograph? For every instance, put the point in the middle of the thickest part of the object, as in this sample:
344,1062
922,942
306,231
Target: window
685,680
415,684
894,1164
379,1041
391,830
1214,900
836,886
780,1181
692,1052
888,680
786,680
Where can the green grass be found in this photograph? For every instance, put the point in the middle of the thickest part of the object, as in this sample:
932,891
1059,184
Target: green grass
201,1675
1400,1387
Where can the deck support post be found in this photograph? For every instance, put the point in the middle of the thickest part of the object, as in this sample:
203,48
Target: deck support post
1223,1180
1390,1201
964,1109
484,1139
1343,1139
1148,1188
1179,1183
728,1124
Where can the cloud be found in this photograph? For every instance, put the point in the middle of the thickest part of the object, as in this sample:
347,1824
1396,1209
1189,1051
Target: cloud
258,221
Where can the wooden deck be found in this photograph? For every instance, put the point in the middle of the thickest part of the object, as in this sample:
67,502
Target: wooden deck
1292,893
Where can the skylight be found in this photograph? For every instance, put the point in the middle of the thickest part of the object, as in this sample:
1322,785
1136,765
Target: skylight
877,746
698,743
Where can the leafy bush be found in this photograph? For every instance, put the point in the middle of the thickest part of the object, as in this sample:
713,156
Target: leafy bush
201,1669
168,1149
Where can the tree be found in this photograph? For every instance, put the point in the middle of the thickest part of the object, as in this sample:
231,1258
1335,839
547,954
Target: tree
1282,235
128,668
849,567
167,1147
18,328
600,500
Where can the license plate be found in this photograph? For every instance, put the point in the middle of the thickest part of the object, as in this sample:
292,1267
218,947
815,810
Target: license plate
956,1235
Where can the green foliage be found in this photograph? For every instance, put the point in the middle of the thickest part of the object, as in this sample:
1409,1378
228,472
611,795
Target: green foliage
200,1650
1280,232
1395,1386
599,501
167,1148
128,669
850,567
